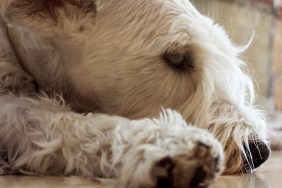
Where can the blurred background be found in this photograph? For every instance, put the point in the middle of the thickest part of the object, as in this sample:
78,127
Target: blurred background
241,18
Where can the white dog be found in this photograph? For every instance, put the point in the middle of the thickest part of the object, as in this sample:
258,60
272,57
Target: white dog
103,64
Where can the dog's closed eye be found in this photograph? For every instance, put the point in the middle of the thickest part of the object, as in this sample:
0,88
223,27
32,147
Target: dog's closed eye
179,60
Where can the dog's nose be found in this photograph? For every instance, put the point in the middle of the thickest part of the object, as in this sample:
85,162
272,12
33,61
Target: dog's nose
259,153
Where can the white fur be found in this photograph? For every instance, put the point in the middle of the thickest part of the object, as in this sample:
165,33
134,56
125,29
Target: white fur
110,61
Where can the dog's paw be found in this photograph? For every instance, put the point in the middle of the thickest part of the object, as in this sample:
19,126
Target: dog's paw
188,158
198,169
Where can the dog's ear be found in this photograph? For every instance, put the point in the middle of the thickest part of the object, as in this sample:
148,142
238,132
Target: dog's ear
50,17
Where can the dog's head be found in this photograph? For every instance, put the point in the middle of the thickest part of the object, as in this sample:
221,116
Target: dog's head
133,58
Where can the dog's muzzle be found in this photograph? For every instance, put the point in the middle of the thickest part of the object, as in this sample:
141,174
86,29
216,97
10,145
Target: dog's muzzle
257,154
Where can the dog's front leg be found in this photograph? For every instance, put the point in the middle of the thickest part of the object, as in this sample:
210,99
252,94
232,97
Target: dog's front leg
43,137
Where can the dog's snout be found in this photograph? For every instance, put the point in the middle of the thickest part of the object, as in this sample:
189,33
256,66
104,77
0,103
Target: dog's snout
259,152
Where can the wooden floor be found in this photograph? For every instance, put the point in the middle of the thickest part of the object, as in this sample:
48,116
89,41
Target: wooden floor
268,175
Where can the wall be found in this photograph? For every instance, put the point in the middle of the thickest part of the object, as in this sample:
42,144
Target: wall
277,65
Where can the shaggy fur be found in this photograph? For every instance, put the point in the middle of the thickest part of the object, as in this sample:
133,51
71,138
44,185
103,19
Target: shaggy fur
116,57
